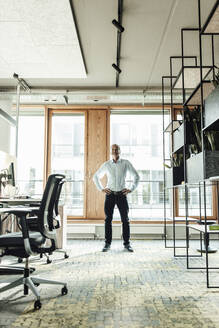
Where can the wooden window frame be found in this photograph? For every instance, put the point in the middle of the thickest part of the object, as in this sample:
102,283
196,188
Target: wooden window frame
84,109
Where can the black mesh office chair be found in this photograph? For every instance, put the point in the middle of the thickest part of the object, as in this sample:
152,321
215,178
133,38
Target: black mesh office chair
26,243
32,223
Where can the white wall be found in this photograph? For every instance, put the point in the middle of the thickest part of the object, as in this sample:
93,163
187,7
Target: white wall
6,105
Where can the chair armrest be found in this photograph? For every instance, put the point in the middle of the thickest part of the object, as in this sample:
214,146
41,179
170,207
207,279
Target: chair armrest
18,210
34,211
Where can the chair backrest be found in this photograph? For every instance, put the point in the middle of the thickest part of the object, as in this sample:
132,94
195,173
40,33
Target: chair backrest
56,207
48,204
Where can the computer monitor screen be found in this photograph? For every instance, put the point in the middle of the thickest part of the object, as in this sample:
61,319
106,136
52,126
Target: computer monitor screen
11,175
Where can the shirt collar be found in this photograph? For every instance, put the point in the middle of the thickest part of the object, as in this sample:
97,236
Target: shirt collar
119,160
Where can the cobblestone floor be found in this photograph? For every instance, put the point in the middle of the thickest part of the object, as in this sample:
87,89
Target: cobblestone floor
147,288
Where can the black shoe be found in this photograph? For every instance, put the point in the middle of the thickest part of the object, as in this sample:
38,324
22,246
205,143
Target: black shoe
106,248
129,248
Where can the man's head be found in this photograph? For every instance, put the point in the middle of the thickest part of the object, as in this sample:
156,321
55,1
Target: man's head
115,151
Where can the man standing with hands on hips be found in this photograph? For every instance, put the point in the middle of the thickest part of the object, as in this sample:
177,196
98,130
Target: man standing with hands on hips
116,192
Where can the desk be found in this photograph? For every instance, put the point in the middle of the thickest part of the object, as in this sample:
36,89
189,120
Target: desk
19,201
61,232
6,203
4,270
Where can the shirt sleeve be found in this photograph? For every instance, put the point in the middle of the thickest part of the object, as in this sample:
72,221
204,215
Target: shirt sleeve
135,175
98,175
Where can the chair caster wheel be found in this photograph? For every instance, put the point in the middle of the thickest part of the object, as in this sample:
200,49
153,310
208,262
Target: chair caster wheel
20,260
64,291
36,284
48,261
37,305
66,256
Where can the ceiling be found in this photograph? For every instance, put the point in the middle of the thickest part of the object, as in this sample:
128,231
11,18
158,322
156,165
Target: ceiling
39,41
37,44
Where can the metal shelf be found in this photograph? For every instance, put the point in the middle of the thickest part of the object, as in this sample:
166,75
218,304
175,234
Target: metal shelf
214,126
181,219
173,125
211,25
195,97
201,228
191,76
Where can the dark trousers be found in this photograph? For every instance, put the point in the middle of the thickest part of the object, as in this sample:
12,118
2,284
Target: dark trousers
121,201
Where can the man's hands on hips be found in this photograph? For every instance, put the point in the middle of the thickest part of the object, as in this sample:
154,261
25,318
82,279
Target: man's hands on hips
126,191
106,191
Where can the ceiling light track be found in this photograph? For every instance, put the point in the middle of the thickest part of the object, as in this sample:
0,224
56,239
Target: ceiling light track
120,29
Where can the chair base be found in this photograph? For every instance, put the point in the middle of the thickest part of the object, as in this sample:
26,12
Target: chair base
8,269
31,283
59,250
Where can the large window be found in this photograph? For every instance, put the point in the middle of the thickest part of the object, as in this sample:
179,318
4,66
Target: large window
196,201
139,135
67,157
30,160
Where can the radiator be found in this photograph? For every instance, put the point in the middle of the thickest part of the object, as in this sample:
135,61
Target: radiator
79,231
81,228
146,229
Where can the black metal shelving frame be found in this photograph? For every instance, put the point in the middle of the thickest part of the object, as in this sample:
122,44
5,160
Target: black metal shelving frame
204,230
172,77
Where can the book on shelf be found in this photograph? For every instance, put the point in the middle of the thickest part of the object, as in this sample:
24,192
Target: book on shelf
214,227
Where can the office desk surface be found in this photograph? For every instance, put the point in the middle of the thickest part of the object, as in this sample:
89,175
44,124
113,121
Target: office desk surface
19,201
18,209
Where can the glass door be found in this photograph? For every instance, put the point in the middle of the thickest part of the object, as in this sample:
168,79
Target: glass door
67,157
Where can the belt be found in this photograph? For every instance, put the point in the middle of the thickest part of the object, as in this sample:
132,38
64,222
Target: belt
117,192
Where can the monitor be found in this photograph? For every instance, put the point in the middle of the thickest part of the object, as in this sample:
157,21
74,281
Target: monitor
11,175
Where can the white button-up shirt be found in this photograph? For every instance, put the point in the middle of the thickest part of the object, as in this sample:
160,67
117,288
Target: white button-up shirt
116,174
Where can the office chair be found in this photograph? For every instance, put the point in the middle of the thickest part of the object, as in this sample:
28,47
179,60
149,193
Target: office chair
32,223
26,243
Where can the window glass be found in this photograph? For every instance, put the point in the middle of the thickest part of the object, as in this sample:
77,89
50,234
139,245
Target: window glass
30,159
140,136
195,199
67,157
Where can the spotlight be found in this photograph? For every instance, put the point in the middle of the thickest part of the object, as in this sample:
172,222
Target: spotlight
118,26
116,68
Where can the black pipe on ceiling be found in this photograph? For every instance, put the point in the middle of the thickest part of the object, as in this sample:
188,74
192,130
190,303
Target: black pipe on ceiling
120,29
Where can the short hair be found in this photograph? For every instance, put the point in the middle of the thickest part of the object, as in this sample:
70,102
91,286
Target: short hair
115,145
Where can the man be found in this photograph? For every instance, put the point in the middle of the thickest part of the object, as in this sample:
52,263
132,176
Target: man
116,192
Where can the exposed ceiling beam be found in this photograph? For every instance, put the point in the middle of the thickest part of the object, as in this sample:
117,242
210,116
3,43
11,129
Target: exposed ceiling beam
61,90
77,31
